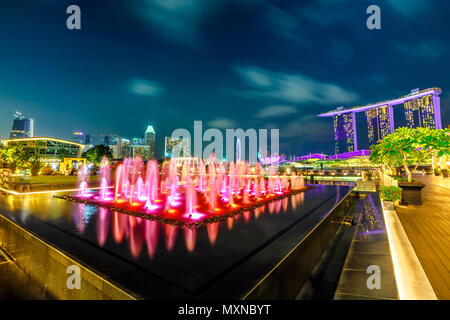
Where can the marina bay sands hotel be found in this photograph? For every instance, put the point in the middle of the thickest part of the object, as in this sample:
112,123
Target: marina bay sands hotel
421,109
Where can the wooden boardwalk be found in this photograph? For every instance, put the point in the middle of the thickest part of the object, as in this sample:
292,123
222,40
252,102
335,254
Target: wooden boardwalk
428,230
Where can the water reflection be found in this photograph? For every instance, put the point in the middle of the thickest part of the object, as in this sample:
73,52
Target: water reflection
137,232
371,221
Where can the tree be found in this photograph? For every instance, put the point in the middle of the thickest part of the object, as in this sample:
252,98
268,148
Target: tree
35,164
410,147
96,153
13,156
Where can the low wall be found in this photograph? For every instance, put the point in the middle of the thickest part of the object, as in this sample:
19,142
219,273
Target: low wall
48,266
285,280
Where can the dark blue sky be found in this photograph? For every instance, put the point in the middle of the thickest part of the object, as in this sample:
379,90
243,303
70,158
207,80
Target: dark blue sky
230,63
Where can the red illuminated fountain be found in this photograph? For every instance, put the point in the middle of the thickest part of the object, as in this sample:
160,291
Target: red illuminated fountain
187,194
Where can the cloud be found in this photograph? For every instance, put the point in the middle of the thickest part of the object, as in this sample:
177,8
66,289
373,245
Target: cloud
143,87
276,111
222,123
408,8
428,50
283,24
325,13
308,127
291,87
178,21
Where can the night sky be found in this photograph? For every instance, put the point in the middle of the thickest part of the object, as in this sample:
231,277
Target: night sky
230,63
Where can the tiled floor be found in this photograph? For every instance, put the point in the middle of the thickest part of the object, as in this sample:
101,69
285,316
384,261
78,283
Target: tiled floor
428,229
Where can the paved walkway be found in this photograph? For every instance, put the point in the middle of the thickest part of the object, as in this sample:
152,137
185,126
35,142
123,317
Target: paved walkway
428,230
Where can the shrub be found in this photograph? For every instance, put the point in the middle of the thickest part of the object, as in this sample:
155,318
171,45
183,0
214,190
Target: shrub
47,171
391,193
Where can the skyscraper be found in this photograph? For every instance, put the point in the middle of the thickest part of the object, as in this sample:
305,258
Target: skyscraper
176,147
344,132
78,137
378,123
420,112
150,140
23,126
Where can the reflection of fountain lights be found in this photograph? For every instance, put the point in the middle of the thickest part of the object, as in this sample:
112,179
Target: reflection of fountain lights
118,226
151,236
137,231
212,229
171,236
190,236
136,238
102,226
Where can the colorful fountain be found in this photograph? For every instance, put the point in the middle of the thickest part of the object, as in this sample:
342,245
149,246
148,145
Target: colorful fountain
187,194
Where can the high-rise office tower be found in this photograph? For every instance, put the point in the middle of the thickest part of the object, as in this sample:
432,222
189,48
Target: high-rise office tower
378,123
420,112
23,126
78,137
344,132
150,140
176,147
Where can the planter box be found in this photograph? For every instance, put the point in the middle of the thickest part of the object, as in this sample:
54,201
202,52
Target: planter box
411,192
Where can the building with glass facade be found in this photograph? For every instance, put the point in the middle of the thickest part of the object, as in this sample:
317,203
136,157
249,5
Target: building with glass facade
22,127
176,147
53,152
344,132
421,112
421,109
150,140
378,123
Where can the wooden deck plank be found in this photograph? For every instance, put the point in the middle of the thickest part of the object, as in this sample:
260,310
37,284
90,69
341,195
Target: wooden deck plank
428,229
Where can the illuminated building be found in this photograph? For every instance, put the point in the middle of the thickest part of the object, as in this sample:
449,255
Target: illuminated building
53,152
378,123
176,145
123,149
108,140
345,132
137,142
150,140
78,137
422,109
420,112
143,151
23,126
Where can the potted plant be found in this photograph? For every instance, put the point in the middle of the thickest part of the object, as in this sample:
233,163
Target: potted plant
437,172
391,196
445,172
409,148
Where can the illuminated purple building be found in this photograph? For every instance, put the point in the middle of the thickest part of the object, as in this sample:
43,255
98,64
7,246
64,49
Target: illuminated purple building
422,109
